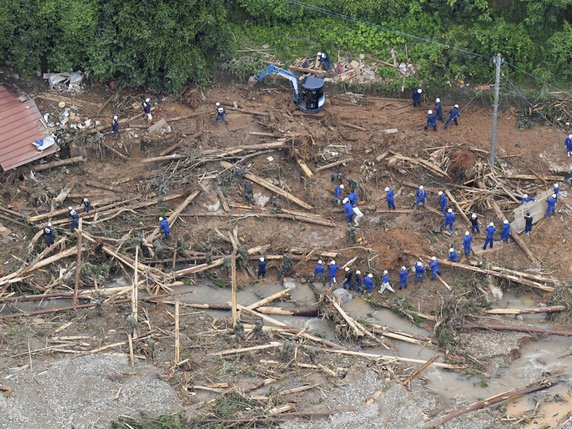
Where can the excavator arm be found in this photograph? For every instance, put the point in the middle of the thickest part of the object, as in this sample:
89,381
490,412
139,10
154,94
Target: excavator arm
273,69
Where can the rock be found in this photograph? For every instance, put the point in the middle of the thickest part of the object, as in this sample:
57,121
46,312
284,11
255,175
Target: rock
160,127
289,283
496,292
214,207
261,200
343,295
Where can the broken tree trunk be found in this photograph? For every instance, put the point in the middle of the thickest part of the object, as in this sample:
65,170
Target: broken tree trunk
264,183
173,217
60,163
533,310
418,371
311,311
307,218
389,358
418,161
501,397
527,329
163,158
304,167
333,164
461,212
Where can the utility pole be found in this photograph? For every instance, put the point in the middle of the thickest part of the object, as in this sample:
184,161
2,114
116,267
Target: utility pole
498,61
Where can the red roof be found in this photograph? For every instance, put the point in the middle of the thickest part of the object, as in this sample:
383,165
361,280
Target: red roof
20,124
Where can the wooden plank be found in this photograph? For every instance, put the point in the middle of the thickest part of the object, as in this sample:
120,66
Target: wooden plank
304,167
333,164
264,183
534,310
60,163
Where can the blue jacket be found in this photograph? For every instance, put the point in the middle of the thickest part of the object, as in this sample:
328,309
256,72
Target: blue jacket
551,202
349,211
443,201
164,226
419,269
332,270
434,266
568,143
491,231
526,200
338,193
353,198
449,218
431,119
115,126
421,195
262,266
439,108
453,256
319,269
390,195
415,96
73,214
467,240
403,274
368,283
506,229
147,107
453,113
385,278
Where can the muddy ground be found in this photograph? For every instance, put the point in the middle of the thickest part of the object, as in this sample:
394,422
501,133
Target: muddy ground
343,391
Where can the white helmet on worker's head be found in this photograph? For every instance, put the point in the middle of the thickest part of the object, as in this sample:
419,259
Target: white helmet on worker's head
403,268
358,272
160,218
553,195
217,104
430,112
474,215
421,187
49,224
440,193
433,258
525,196
384,272
570,136
437,100
387,189
115,118
332,262
505,221
492,224
341,186
85,200
70,208
419,263
451,250
347,269
262,259
419,91
370,275
450,211
320,262
467,233
556,185
345,200
456,106
147,100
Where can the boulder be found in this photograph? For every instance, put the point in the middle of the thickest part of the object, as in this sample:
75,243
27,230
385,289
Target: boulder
343,295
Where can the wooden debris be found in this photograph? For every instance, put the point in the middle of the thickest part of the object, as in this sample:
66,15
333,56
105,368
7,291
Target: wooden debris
271,345
233,289
264,183
355,127
533,310
60,163
177,334
306,218
304,167
333,164
419,161
268,299
173,217
388,358
77,263
115,151
418,371
171,157
459,209
527,329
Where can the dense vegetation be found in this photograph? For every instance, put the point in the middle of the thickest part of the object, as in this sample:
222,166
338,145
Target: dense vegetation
165,43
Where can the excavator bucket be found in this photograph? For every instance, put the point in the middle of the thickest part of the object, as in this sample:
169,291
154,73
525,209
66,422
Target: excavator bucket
251,81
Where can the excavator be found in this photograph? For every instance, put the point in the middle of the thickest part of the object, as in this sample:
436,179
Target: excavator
308,92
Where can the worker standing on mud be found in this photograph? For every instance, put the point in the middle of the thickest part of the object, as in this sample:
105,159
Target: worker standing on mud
528,223
320,272
419,271
115,127
385,283
450,220
348,210
347,284
568,145
323,60
416,97
467,243
262,263
505,233
453,255
439,109
490,235
526,199
368,283
403,274
87,207
286,267
443,202
434,267
49,235
147,110
551,205
475,224
220,114
390,198
431,121
454,113
164,226
338,194
74,217
421,196
332,270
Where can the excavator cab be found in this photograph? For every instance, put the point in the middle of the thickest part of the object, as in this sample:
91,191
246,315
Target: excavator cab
312,95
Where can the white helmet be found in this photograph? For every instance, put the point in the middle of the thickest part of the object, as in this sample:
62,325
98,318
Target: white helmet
70,208
556,185
421,187
345,200
319,54
358,272
433,258
85,200
403,268
553,195
341,186
147,100
492,224
333,262
419,263
347,269
505,221
570,136
467,233
160,218
115,118
430,112
262,259
451,250
384,272
437,100
450,211
387,189
440,193
456,106
49,224
474,215
419,91
525,196
320,262
217,104
370,275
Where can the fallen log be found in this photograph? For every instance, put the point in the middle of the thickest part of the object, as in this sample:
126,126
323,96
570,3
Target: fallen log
527,329
399,335
304,167
310,311
47,261
214,264
115,151
163,158
298,218
418,161
264,183
459,209
529,177
60,163
533,310
501,397
271,345
418,371
388,358
173,217
55,310
333,164
355,127
100,206
268,299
